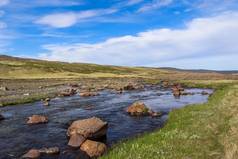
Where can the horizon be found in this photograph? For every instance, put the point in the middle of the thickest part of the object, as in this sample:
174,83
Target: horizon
199,35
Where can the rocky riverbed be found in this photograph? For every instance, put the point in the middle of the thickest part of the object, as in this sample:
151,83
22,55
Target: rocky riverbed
17,137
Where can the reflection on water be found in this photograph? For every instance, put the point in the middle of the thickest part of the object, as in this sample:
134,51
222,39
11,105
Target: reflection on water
16,137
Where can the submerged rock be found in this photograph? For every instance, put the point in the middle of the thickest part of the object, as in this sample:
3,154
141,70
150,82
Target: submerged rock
37,119
32,154
93,148
138,109
88,128
50,151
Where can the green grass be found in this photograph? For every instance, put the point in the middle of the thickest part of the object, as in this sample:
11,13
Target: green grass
204,131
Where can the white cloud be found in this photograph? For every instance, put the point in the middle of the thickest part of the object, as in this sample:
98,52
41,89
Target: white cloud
63,20
4,2
155,5
201,38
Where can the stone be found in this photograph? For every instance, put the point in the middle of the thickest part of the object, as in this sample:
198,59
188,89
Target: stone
2,88
50,151
129,87
32,154
76,140
68,92
93,148
138,109
88,94
37,119
89,128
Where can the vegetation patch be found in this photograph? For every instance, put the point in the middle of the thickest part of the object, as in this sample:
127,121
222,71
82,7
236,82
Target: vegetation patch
206,131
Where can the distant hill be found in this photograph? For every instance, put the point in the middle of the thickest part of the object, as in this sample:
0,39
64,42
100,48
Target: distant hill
15,68
201,70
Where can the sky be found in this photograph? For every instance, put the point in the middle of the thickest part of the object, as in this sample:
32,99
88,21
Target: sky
188,34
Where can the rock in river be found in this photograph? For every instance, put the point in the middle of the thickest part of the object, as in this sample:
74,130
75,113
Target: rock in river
50,151
93,148
76,140
32,154
91,128
88,94
37,119
138,109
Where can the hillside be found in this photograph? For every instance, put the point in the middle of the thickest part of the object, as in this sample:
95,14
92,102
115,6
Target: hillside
20,68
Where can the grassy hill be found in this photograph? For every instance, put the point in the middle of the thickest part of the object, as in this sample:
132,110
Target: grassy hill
20,68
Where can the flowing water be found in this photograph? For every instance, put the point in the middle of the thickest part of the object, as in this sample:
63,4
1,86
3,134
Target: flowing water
16,137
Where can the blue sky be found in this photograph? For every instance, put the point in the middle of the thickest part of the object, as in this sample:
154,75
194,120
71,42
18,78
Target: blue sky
192,34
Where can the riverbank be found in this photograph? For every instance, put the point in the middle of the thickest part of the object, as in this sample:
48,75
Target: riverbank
201,131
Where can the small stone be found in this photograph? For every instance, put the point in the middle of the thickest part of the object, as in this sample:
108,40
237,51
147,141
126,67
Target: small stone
37,119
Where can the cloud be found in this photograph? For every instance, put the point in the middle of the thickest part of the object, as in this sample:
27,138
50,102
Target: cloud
155,4
209,37
63,20
4,2
133,2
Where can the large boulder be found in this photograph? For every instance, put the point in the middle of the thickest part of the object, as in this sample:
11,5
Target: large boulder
37,119
88,128
138,109
32,154
93,148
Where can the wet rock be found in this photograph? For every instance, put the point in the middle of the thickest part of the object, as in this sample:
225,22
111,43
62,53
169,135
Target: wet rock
47,99
88,94
68,92
138,109
50,151
37,119
204,93
154,114
88,128
165,84
2,88
177,90
93,148
32,154
76,140
45,103
129,87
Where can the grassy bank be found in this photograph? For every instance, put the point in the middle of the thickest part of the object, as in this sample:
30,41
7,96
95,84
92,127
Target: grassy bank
202,131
